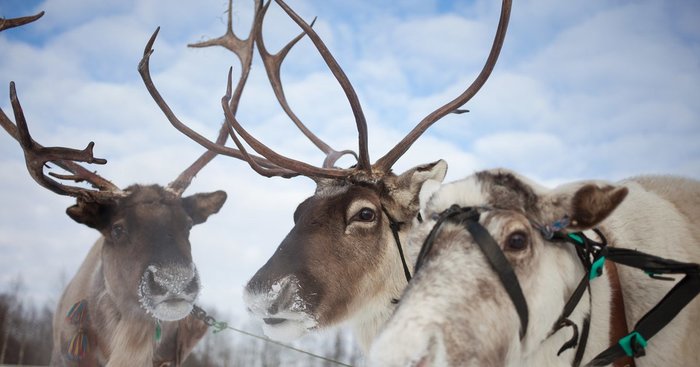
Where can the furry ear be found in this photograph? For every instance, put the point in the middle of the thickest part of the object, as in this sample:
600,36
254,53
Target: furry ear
585,204
591,204
409,184
200,206
91,214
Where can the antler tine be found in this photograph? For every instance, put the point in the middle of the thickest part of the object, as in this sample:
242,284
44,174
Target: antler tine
273,66
363,159
243,49
36,157
16,22
384,163
284,164
231,121
144,71
183,181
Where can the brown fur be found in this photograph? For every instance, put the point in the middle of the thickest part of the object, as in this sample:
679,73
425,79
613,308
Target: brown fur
153,229
339,262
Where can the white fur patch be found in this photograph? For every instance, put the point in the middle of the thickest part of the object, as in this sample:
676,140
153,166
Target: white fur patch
175,304
297,320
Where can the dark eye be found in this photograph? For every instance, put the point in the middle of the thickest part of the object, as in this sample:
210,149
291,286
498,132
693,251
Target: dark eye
118,232
517,241
365,215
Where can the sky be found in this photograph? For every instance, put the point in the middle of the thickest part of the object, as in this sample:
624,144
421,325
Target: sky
583,90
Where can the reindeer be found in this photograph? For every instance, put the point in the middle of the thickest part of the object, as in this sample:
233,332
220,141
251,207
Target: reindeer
129,302
461,310
342,260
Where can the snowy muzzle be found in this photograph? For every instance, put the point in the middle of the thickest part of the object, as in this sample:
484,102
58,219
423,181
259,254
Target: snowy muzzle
168,292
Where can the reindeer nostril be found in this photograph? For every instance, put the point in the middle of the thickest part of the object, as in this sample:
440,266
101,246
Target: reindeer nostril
193,286
155,288
274,308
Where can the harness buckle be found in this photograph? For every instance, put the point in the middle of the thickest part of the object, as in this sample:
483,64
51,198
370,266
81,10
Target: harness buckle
597,268
656,276
633,344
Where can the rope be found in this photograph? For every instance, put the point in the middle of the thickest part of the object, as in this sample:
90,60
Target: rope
219,326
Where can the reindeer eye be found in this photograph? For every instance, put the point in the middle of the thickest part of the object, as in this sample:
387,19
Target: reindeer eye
517,241
118,232
365,215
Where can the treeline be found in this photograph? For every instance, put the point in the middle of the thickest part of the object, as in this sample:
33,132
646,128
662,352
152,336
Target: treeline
26,339
25,330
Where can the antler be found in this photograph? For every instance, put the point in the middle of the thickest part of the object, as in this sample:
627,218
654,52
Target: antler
363,160
384,163
273,65
274,164
214,148
36,157
285,164
244,51
16,22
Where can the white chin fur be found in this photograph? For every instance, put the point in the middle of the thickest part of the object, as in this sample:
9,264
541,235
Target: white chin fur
289,330
171,311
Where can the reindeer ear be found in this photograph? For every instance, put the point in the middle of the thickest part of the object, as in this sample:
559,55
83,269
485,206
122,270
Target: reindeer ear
91,214
591,204
587,204
410,183
200,206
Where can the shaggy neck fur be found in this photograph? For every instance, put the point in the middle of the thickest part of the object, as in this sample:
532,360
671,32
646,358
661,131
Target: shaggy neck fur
118,337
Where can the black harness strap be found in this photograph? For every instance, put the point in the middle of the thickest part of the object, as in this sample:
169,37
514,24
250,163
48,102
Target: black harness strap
592,255
395,228
502,267
469,217
658,317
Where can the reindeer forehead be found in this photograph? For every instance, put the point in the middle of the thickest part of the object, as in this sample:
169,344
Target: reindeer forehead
328,188
149,200
494,188
507,190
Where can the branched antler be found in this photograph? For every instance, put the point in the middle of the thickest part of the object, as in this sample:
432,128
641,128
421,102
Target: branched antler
213,147
36,157
273,66
273,164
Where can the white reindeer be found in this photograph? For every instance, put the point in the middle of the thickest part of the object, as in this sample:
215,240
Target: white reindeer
457,311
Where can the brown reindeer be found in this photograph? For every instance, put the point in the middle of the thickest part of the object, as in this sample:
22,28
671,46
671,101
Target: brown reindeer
129,302
339,263
128,305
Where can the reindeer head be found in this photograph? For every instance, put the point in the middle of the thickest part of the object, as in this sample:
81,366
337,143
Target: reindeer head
339,259
146,258
456,306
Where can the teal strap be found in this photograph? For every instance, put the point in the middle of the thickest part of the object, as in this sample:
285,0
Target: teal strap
576,238
597,268
626,343
158,332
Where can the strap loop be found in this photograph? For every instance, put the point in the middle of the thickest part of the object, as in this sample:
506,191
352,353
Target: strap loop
633,344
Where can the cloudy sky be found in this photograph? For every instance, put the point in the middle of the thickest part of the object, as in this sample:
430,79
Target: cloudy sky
583,89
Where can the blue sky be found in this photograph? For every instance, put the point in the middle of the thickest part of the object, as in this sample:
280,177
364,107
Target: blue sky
604,89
